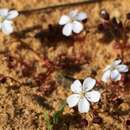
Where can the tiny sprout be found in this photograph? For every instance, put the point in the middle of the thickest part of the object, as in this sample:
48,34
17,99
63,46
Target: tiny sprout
57,115
49,125
104,14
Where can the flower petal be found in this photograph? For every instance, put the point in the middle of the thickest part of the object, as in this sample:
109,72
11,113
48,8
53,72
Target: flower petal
7,27
12,14
122,68
64,20
107,68
0,25
73,100
76,86
116,62
88,84
73,14
106,76
83,105
77,27
4,12
67,29
93,96
81,16
115,75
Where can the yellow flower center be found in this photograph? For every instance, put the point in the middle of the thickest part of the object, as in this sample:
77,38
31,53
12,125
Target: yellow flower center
113,68
82,94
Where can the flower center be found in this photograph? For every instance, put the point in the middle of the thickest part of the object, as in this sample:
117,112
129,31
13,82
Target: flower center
113,68
72,19
82,94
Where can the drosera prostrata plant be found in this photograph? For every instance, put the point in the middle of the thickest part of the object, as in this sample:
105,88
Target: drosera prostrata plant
115,28
59,65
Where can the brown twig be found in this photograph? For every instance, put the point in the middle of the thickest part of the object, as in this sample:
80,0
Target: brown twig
59,6
9,77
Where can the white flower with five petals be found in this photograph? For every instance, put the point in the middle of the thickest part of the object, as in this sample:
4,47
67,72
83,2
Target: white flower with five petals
5,20
113,71
72,22
82,94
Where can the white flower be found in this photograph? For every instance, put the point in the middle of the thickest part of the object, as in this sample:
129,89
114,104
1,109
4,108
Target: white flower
72,22
82,94
113,71
5,20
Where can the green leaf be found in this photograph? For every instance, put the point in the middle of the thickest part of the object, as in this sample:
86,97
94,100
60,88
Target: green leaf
57,115
49,126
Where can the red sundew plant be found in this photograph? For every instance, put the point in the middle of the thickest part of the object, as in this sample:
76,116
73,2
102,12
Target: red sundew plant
61,62
88,95
117,29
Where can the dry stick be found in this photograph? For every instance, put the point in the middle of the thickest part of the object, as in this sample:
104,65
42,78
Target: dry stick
124,40
59,6
9,77
14,80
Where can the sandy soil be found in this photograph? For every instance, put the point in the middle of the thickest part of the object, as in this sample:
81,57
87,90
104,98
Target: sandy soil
35,38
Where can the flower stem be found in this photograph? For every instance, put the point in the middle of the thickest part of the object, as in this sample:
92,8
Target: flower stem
54,6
